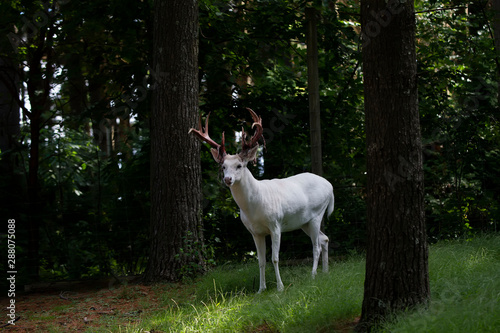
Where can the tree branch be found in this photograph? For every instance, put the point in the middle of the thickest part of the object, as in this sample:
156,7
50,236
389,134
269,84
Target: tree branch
440,9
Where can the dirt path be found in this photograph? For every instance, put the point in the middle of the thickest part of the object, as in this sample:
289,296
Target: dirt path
78,306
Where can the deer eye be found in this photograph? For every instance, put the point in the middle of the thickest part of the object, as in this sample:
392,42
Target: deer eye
238,166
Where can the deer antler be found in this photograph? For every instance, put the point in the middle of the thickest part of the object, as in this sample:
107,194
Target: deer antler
203,136
257,135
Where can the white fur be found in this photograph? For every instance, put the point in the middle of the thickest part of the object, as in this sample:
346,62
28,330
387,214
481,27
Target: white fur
270,207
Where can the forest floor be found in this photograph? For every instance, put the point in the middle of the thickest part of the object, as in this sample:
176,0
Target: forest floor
102,305
85,305
464,280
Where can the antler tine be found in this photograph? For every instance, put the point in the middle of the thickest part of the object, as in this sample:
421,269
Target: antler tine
223,152
255,116
203,136
258,132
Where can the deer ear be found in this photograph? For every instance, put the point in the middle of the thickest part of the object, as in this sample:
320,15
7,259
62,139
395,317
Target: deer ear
249,154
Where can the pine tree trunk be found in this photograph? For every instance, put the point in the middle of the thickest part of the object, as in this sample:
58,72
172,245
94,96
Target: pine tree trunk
176,235
397,253
313,90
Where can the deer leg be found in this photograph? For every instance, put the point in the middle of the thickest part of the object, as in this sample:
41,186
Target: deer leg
323,240
276,240
312,229
260,244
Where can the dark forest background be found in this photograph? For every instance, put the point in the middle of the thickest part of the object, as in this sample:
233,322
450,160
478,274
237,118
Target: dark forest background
76,79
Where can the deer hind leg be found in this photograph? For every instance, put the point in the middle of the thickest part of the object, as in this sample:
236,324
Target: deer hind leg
312,229
323,240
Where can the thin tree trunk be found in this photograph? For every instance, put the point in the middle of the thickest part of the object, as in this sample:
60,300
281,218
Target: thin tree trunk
313,89
77,93
496,32
396,265
100,124
39,104
175,233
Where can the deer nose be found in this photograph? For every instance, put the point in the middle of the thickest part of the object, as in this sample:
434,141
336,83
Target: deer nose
228,181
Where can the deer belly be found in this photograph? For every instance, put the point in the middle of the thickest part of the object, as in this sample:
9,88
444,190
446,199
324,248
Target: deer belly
293,222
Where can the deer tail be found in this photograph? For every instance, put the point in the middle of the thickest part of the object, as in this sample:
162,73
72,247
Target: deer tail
331,205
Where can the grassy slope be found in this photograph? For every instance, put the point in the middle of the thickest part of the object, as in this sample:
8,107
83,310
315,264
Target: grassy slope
465,284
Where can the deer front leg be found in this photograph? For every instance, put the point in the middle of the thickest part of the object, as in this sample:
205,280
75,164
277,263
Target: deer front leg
276,241
260,244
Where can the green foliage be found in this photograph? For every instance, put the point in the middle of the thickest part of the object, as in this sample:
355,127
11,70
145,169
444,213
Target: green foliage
101,206
93,211
95,204
253,55
459,111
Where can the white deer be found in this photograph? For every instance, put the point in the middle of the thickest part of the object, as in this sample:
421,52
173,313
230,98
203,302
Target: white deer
270,207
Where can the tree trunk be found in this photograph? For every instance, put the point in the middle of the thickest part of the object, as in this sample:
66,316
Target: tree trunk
496,31
11,179
9,107
175,233
313,90
34,203
77,93
101,127
39,82
397,253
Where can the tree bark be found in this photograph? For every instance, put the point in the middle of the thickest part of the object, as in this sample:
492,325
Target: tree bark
397,253
313,90
175,233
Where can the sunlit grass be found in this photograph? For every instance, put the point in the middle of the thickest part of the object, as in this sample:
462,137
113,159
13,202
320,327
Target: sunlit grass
226,301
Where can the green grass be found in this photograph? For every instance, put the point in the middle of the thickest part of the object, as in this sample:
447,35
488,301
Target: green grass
465,290
465,286
226,301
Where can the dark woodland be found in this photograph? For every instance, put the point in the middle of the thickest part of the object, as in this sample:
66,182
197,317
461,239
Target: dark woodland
396,105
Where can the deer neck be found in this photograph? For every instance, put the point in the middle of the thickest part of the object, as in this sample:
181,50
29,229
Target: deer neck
245,191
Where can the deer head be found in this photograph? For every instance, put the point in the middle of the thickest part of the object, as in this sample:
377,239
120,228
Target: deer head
233,166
